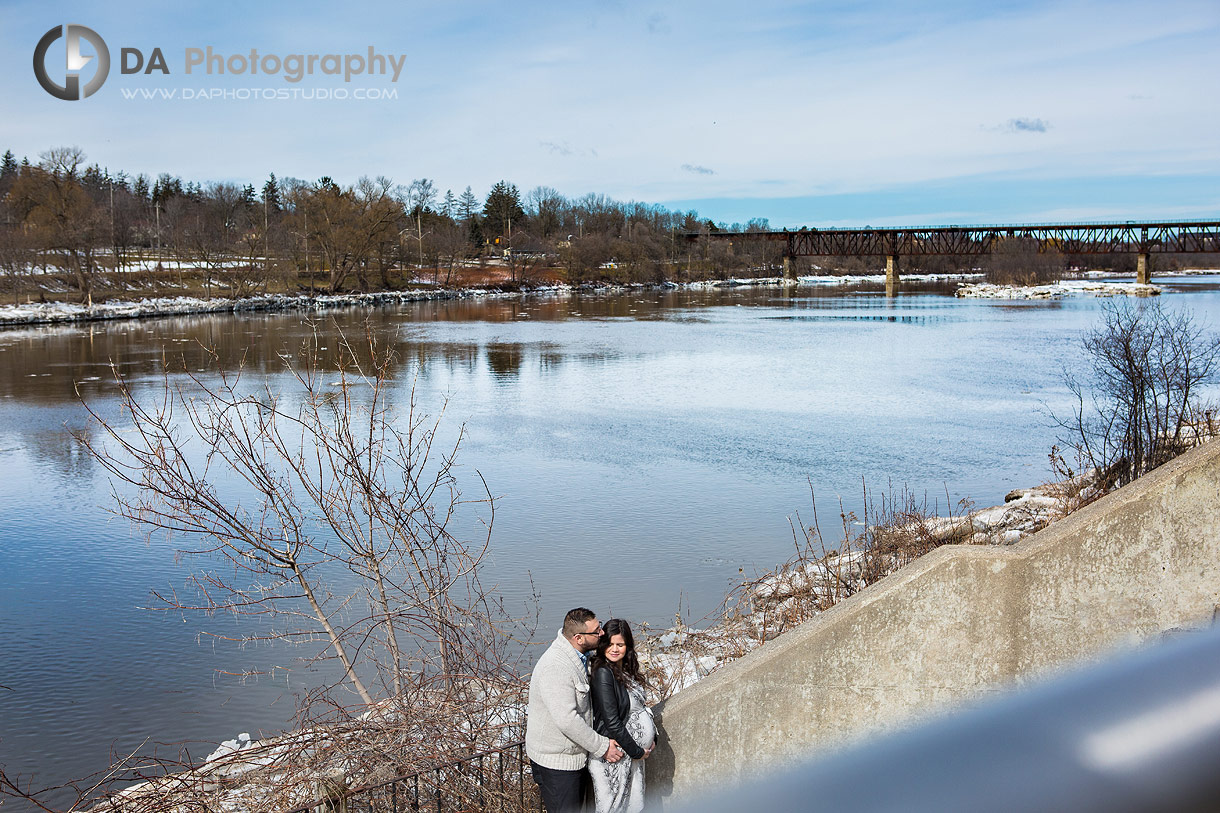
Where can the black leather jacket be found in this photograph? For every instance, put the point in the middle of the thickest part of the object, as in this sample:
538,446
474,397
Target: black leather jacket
611,707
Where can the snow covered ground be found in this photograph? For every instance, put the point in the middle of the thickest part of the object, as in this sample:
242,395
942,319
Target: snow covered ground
1055,290
67,312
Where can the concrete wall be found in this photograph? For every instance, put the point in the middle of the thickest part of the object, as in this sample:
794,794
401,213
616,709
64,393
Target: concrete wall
956,623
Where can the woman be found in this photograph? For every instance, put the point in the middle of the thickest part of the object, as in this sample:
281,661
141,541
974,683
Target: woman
617,688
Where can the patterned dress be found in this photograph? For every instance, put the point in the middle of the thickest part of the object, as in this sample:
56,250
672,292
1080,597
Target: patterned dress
618,787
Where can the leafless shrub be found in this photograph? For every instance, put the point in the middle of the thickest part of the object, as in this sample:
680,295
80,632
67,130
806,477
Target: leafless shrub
1140,402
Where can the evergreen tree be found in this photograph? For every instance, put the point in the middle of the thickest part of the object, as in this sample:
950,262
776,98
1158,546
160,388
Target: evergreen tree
166,187
475,232
248,197
503,208
93,177
468,205
449,204
271,193
140,187
8,167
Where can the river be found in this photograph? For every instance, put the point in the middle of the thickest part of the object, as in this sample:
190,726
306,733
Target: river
646,448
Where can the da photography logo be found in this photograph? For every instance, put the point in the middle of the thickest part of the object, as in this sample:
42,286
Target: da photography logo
71,89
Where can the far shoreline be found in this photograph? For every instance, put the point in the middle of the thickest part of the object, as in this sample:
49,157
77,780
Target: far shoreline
36,314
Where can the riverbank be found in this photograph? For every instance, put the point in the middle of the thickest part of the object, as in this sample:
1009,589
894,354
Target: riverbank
57,313
50,313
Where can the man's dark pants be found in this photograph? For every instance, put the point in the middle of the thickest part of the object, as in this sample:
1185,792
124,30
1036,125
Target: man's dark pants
562,791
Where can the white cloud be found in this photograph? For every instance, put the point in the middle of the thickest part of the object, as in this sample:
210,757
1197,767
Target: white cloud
1025,126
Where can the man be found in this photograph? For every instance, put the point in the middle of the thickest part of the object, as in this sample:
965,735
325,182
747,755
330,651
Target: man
558,734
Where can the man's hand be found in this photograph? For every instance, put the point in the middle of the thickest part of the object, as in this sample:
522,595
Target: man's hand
613,752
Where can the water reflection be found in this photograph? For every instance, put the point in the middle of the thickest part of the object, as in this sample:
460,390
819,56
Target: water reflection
504,360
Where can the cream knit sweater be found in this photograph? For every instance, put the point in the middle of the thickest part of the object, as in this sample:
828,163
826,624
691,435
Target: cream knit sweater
558,733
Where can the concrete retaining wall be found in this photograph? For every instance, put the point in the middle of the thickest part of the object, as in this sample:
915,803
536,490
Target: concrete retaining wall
956,623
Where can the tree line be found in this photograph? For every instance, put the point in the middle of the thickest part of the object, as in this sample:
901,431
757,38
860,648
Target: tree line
86,229
83,223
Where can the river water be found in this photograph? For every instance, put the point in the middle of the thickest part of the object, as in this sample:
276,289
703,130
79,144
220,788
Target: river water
646,447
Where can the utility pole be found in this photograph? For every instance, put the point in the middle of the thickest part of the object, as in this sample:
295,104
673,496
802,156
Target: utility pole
307,273
113,247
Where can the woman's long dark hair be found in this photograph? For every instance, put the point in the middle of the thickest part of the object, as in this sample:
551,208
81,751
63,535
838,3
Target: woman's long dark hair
628,669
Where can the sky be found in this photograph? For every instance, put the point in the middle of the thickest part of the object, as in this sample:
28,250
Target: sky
806,114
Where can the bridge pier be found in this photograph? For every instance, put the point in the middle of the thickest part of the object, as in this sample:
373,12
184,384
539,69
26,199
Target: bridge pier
1143,268
788,276
891,274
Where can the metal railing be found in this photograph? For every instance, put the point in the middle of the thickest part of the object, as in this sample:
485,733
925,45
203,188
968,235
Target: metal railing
1068,238
498,780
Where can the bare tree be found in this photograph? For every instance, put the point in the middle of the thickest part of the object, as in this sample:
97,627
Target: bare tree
348,224
1023,261
1139,403
16,253
51,200
420,195
211,233
333,483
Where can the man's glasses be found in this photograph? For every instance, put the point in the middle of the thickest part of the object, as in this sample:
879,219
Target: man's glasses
598,632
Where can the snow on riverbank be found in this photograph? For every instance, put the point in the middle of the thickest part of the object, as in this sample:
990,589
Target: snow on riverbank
67,312
45,313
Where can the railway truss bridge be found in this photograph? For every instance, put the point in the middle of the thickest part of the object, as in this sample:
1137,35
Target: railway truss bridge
1144,239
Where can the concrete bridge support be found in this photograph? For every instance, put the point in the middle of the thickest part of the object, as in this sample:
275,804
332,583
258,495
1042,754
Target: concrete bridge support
1143,268
789,277
891,275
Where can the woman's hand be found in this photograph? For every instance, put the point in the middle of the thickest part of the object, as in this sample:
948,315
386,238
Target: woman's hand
648,751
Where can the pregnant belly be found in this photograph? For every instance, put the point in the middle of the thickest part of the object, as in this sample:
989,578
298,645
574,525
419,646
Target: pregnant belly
642,728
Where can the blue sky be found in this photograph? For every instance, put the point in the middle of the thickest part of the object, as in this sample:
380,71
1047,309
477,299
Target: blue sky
814,114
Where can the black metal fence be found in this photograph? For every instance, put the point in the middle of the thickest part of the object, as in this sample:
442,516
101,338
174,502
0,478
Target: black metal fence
497,780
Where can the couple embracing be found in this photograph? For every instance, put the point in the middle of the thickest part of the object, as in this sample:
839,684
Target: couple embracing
587,721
